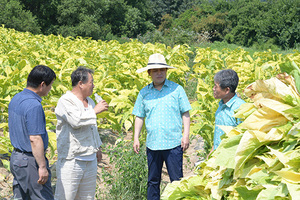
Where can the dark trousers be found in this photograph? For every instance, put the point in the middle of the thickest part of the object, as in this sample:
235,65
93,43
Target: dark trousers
172,158
25,171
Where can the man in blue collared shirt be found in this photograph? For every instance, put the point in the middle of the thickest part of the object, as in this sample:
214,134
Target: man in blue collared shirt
226,82
28,135
165,106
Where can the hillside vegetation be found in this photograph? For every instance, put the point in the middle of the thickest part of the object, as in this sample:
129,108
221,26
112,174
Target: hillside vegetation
118,83
251,23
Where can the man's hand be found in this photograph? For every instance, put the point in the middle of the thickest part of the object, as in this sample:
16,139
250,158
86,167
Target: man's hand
136,146
101,107
138,124
99,155
37,146
185,143
43,175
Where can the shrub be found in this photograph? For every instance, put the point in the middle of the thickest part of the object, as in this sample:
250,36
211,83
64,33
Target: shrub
128,178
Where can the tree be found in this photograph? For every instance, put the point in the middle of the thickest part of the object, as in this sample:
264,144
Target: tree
272,22
134,24
171,7
45,12
13,15
82,18
245,16
204,18
281,23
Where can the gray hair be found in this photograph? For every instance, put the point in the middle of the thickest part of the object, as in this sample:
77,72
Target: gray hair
80,74
227,78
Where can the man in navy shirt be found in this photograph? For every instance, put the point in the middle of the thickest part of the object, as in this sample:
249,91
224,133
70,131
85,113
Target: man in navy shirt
28,135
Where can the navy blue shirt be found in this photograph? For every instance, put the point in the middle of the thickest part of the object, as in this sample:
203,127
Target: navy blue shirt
26,117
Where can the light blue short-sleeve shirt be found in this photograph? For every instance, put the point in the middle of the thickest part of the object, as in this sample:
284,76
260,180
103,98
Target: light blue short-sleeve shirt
163,111
224,117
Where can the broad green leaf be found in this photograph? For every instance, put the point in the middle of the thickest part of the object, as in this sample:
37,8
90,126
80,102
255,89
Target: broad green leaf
272,191
281,156
272,89
225,153
3,125
248,194
260,176
289,176
292,68
295,130
264,119
3,149
245,110
186,187
6,164
252,166
275,134
226,129
294,111
294,158
294,190
274,105
245,150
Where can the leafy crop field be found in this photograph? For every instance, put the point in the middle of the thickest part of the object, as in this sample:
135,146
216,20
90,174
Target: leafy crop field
117,82
258,159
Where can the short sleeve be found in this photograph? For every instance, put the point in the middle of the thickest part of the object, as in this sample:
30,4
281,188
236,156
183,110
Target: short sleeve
139,107
184,104
35,121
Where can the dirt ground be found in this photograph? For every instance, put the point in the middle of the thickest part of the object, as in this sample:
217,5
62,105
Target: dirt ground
190,158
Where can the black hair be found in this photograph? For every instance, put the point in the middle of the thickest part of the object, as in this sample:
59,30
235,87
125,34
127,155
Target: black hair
80,74
227,78
39,74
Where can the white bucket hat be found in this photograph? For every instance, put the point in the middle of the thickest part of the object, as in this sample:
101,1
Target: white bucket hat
156,61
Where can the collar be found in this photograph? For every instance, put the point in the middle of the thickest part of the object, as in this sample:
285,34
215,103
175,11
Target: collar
167,84
75,99
230,102
35,95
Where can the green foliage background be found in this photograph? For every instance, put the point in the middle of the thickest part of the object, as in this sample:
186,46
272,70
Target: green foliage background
251,23
114,65
115,77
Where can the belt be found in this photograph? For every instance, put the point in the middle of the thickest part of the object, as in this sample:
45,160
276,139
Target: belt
20,151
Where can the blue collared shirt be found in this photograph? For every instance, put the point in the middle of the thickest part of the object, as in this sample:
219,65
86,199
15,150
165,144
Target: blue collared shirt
26,117
163,110
224,117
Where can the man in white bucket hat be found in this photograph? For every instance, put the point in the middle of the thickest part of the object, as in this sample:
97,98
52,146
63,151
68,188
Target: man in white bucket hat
165,106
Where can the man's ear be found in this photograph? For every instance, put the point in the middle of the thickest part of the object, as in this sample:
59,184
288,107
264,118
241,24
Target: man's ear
42,84
80,83
227,90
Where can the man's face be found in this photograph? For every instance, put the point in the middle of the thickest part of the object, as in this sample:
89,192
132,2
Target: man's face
87,88
220,93
158,75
